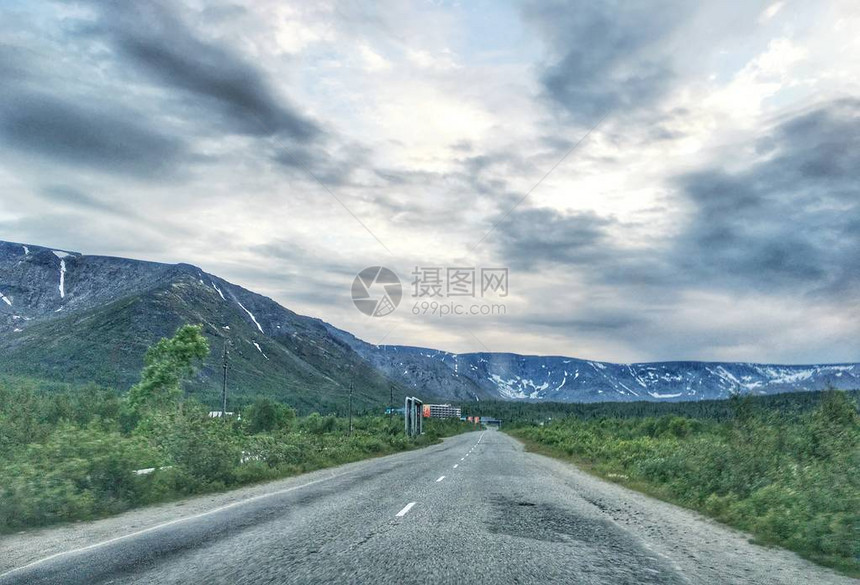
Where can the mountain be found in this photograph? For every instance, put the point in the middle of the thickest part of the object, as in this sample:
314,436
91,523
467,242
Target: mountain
81,318
564,379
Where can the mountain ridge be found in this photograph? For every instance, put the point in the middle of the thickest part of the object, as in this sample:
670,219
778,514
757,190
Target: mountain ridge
67,315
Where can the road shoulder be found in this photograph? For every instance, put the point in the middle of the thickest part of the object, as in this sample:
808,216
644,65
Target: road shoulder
702,549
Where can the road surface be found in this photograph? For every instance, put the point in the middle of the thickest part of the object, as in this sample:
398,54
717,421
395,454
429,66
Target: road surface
475,509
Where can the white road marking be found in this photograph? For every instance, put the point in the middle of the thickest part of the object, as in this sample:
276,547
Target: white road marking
456,465
177,521
406,509
440,479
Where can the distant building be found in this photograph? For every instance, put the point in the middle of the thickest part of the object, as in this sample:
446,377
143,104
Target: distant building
441,411
491,422
217,414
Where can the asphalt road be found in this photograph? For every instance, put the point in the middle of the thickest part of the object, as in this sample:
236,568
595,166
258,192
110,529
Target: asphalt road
475,509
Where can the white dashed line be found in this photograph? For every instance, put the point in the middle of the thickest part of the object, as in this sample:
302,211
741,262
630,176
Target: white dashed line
456,465
462,458
405,509
440,479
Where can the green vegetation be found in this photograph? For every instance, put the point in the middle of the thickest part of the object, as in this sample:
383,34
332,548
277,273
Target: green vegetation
791,404
71,453
788,476
304,365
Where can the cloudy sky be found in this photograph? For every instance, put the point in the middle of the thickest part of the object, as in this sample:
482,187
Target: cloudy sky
664,180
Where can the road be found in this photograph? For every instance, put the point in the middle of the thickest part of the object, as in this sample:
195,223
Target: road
476,508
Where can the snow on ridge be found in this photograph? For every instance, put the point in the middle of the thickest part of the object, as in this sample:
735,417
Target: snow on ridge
5,299
61,254
250,314
26,250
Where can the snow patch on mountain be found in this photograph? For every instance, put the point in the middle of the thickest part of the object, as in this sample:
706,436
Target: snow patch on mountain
658,395
220,293
506,388
250,314
62,285
257,345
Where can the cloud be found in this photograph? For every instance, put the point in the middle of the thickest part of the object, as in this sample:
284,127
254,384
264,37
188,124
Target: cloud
787,223
171,131
606,56
105,137
67,196
531,238
155,39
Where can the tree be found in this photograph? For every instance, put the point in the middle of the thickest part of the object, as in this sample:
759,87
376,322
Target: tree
167,364
266,415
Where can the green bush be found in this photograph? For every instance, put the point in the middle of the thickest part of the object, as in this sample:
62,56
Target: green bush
67,457
788,478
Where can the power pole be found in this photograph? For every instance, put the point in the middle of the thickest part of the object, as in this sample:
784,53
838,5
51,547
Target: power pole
224,383
349,434
390,403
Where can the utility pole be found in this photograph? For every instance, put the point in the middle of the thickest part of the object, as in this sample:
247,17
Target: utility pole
224,383
349,434
390,403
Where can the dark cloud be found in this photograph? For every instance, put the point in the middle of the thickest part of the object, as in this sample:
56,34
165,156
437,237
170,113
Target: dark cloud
330,168
790,222
605,55
142,87
155,40
532,237
102,136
